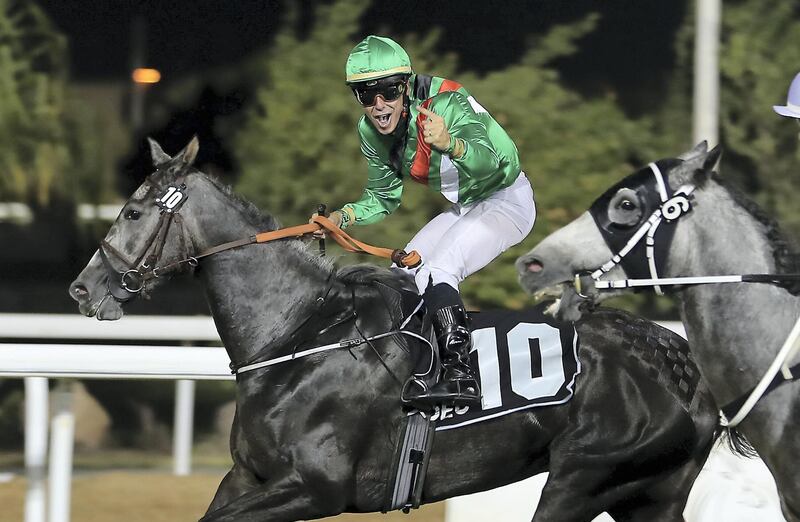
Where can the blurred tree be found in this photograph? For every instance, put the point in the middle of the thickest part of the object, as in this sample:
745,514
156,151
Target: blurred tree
299,145
95,137
759,56
32,76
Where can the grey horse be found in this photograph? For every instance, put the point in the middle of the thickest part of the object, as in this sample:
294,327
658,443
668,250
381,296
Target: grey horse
734,330
315,436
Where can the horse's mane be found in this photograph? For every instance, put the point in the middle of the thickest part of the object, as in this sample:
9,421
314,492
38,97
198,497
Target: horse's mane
363,273
786,260
264,221
351,274
253,214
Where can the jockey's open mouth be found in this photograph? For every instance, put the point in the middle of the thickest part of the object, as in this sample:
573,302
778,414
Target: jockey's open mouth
383,121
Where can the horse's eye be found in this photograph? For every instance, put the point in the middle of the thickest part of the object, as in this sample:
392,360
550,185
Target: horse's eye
625,208
132,214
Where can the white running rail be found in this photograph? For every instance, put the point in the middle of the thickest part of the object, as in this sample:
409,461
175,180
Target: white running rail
36,362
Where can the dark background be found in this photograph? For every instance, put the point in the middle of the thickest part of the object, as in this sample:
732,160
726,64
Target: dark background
189,37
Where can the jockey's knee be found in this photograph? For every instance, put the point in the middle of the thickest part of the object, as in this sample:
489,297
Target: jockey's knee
429,275
442,276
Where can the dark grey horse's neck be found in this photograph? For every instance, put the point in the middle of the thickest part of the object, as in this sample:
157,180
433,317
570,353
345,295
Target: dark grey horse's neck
742,326
257,293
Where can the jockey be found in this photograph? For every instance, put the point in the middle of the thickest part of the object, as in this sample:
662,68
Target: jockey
434,132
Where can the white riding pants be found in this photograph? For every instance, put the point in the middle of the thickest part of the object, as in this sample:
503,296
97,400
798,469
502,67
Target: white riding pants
466,238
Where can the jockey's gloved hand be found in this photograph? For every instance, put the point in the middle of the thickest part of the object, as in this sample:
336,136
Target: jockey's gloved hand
335,217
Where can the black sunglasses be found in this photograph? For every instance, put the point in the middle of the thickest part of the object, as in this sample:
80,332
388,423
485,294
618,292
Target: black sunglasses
389,92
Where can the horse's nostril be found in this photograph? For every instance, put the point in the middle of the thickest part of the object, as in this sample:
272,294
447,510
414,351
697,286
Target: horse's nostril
79,291
535,266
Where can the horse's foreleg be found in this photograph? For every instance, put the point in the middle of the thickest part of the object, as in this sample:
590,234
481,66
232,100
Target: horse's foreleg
236,483
285,499
666,498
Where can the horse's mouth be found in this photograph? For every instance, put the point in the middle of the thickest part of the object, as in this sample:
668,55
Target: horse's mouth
551,292
555,293
106,309
568,304
539,287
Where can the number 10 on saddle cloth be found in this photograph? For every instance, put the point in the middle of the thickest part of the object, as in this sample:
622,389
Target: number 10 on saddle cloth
524,358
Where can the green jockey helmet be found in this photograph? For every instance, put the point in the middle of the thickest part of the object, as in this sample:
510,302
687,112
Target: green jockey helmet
376,57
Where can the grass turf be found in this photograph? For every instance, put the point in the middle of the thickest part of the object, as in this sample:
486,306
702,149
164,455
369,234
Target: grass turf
158,497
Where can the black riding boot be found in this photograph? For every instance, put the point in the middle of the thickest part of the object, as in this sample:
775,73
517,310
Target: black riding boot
458,385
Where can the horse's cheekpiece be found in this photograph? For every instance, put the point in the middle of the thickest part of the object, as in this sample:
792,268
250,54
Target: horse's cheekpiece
585,285
524,359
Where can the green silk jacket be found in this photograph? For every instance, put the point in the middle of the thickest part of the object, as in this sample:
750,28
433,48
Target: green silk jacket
489,163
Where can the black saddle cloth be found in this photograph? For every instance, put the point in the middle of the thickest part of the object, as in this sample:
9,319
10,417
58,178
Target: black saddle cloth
523,358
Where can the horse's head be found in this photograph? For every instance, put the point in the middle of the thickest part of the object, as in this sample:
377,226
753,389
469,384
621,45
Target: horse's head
148,240
626,233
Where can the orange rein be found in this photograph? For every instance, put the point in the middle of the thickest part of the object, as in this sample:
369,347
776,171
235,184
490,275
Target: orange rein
399,257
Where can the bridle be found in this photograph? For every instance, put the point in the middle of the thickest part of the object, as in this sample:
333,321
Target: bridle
125,284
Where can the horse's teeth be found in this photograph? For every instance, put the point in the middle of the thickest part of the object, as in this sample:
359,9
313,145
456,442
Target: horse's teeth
551,291
553,308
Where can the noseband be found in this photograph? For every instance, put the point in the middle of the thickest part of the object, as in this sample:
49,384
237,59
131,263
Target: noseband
124,285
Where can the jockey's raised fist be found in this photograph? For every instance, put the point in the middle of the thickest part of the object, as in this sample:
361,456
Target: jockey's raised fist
434,131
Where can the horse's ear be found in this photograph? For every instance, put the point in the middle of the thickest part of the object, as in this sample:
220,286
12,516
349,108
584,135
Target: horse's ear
189,153
699,149
702,167
712,158
157,153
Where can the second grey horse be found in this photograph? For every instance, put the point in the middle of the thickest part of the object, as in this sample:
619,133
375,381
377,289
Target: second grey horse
734,330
